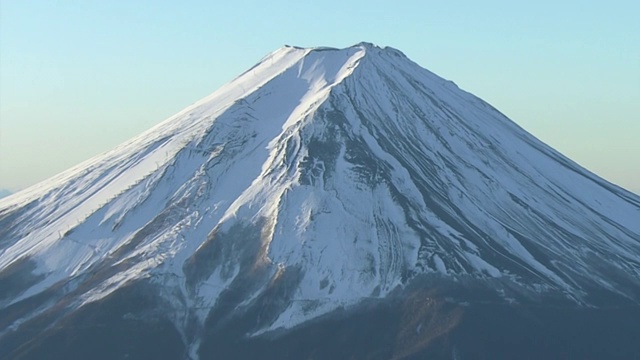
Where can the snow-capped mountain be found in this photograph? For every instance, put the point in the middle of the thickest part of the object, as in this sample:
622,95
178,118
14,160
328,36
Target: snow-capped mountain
318,180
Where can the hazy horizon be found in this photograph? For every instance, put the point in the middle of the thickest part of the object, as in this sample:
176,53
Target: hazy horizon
77,79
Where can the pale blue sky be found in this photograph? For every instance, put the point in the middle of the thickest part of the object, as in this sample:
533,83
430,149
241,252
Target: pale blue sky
79,77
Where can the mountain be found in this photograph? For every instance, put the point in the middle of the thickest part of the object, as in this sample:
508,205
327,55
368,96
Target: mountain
327,203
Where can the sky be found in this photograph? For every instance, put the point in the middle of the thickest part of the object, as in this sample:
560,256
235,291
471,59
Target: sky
77,78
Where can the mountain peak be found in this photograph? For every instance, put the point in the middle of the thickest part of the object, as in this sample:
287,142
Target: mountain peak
362,44
366,45
359,46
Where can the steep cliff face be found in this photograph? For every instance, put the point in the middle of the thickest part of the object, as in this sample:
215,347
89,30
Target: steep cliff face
319,182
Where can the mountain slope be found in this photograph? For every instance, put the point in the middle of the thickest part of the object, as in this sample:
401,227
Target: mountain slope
318,180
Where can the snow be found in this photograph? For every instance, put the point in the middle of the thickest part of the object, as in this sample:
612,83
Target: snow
353,166
440,266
